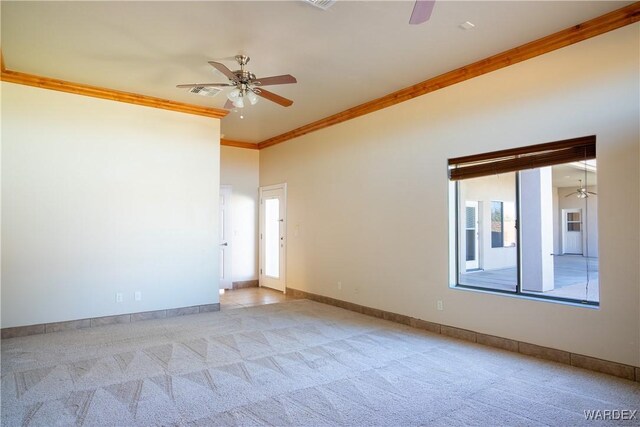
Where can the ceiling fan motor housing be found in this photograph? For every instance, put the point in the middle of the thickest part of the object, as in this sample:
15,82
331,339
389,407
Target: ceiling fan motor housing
244,77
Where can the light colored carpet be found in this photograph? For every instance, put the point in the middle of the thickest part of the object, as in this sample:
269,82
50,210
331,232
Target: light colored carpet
294,363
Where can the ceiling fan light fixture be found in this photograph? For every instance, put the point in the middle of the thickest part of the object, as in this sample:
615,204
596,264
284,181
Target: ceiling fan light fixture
238,102
233,95
581,192
253,99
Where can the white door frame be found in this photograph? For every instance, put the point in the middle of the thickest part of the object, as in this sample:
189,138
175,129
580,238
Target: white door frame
564,230
226,235
283,238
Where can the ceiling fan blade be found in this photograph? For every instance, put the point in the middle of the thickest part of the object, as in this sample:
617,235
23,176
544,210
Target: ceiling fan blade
572,193
421,11
275,80
205,85
228,105
273,97
224,70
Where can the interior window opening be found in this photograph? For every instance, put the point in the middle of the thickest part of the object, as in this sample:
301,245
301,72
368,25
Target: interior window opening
532,231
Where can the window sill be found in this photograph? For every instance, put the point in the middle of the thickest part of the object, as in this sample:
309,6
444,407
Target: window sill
589,305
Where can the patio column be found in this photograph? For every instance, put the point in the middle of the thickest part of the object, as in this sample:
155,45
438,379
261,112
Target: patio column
536,213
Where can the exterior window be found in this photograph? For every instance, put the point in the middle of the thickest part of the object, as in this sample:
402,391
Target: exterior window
528,231
497,225
503,223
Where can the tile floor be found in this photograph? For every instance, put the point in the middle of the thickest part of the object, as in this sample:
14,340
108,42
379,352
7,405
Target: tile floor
249,297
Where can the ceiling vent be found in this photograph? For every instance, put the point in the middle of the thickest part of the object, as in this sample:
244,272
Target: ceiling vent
322,4
205,91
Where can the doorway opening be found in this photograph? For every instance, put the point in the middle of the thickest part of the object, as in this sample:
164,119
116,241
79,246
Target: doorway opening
226,279
572,231
273,226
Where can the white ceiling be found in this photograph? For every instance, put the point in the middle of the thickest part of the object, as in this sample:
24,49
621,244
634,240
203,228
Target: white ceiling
352,53
570,174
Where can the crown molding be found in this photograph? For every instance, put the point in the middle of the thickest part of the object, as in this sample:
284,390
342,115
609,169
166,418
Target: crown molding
238,144
104,93
577,33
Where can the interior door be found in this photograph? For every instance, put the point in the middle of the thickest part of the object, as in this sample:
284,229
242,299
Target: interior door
273,226
572,231
226,281
471,235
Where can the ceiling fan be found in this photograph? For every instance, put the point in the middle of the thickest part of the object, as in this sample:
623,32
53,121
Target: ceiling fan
421,11
581,192
246,85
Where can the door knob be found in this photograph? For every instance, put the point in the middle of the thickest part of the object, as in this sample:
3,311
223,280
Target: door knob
224,244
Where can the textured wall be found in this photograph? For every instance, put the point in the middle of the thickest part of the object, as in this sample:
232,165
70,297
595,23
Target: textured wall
370,196
100,197
239,168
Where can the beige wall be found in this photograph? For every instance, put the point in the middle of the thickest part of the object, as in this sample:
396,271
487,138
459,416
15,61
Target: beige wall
100,197
370,196
239,168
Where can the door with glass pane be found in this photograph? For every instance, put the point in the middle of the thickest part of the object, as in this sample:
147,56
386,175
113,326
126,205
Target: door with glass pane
471,235
225,237
572,231
273,228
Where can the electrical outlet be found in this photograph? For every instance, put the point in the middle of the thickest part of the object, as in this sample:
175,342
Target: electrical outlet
119,297
137,296
339,286
440,305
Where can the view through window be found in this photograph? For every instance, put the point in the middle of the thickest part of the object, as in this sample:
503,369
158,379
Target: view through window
531,232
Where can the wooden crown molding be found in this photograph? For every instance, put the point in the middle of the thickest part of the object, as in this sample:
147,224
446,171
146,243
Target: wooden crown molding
238,144
577,33
103,93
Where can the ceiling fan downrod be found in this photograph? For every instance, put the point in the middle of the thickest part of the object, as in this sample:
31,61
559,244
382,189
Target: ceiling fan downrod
244,78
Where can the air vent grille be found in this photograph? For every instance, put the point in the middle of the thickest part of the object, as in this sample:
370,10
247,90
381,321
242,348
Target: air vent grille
322,4
205,91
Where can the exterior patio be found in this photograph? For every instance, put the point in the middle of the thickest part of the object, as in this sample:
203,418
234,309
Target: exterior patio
571,276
